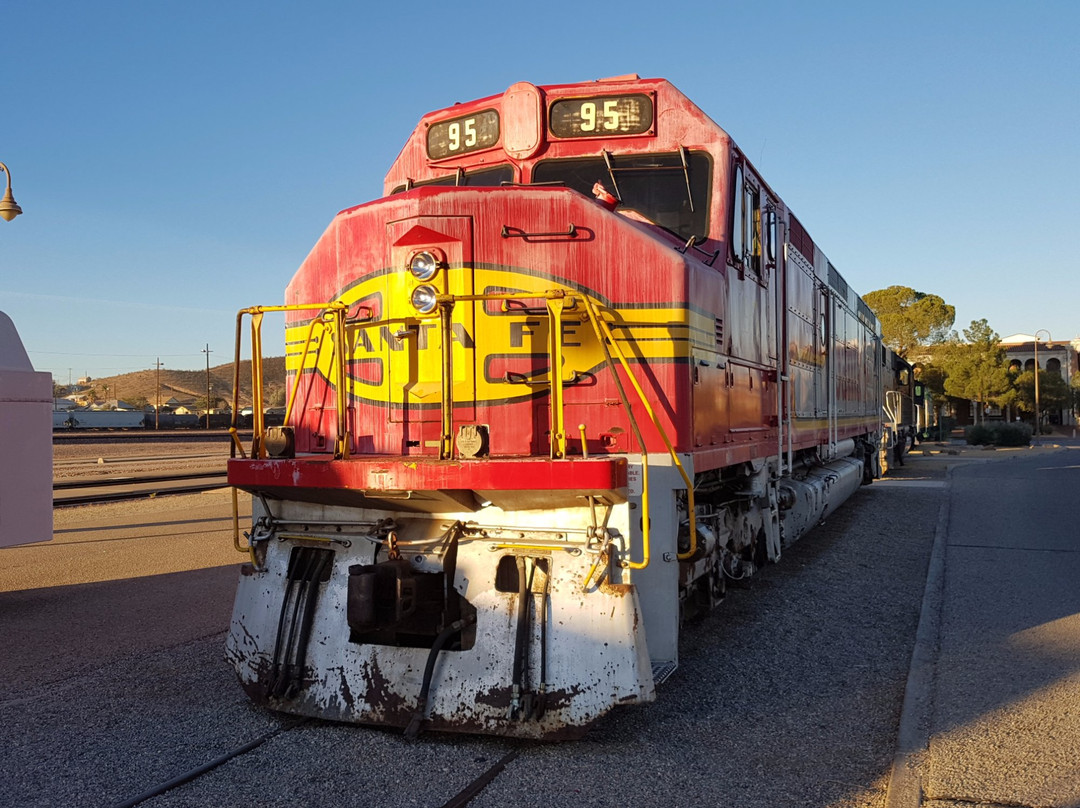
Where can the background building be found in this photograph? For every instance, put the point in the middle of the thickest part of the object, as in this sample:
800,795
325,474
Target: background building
1060,358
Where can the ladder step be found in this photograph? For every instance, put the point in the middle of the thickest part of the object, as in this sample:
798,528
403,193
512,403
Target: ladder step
662,670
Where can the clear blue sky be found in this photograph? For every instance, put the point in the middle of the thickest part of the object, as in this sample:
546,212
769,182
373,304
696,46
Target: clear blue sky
176,161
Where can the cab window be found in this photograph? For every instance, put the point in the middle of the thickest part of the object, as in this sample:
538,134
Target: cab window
738,217
670,189
483,177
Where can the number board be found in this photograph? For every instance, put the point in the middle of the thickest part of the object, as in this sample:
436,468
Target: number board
601,115
463,135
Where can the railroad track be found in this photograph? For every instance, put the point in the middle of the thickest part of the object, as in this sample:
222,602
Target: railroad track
145,436
459,800
88,490
121,459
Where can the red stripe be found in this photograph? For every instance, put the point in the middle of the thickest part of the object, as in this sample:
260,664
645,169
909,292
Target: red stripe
408,474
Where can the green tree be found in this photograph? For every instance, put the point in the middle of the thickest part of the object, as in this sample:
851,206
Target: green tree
975,367
933,375
1054,394
910,319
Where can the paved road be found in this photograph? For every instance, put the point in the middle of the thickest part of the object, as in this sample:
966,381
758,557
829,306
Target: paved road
790,694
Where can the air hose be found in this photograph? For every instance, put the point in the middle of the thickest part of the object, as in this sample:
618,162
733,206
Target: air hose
521,650
413,729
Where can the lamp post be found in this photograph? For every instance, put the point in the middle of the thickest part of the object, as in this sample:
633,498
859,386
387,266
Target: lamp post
1049,344
9,209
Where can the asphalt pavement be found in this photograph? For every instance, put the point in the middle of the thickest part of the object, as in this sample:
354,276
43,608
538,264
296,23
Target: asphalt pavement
992,715
920,648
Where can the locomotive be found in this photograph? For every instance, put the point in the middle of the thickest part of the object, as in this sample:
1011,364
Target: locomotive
576,369
904,408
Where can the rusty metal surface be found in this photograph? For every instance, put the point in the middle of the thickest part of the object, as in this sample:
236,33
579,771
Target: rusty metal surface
594,643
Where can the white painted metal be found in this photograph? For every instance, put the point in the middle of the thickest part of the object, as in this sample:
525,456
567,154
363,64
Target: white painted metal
596,648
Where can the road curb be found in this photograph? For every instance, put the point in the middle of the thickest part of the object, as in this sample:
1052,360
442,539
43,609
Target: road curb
913,736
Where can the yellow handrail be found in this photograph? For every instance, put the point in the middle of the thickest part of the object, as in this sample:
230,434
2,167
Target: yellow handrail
555,349
602,324
341,444
303,360
334,314
446,350
258,448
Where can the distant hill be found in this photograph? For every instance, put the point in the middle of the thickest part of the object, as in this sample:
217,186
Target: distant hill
188,385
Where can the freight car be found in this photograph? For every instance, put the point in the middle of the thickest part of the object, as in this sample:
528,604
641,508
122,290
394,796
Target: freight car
578,368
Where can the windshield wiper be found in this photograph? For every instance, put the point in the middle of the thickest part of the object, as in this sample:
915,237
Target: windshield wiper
611,173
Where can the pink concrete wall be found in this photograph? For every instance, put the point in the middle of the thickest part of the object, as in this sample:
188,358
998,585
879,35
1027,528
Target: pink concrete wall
25,444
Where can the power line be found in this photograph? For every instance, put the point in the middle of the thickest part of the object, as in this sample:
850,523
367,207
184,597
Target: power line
124,355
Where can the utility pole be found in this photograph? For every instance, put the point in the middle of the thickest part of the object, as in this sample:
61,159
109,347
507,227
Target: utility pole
207,351
157,404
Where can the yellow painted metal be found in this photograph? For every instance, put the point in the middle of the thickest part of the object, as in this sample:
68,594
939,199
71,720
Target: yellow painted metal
555,352
446,438
248,548
236,385
341,444
303,356
333,312
601,325
258,448
605,557
237,444
558,300
595,320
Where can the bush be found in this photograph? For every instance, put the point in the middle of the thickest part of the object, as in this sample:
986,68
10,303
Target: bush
998,434
1014,434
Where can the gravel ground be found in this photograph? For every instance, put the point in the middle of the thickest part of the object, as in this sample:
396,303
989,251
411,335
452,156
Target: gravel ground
64,450
789,694
76,460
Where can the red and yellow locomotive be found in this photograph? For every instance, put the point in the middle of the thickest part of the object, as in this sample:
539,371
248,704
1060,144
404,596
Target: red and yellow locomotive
578,367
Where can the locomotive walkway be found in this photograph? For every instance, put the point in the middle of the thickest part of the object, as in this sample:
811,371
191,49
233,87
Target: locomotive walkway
992,709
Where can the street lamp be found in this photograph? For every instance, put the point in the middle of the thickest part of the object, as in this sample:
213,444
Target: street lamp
1049,344
9,209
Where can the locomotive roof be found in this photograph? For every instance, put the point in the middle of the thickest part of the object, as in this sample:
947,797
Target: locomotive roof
528,123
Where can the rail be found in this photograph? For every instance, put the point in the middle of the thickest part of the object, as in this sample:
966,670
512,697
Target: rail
333,319
67,493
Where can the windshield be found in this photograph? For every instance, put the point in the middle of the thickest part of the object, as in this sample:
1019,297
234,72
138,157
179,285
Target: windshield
493,176
665,188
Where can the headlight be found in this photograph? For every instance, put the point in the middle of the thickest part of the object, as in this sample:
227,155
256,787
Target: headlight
424,299
423,266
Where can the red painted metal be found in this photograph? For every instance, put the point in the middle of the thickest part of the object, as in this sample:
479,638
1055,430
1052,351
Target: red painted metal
715,390
401,474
